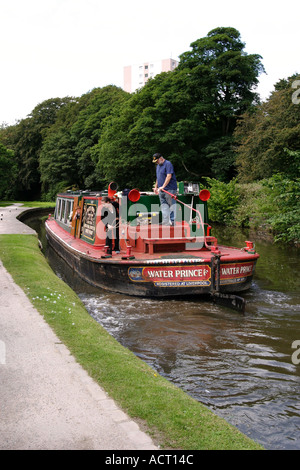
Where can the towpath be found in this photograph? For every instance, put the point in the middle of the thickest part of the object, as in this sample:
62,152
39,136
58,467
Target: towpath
47,400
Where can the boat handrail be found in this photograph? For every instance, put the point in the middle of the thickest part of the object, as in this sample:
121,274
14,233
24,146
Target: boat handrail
174,196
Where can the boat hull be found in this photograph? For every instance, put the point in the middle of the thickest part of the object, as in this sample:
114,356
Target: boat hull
163,276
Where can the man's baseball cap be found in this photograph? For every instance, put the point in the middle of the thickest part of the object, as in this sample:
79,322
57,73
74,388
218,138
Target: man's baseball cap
156,156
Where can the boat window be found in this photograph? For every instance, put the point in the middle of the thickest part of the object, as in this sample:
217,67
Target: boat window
57,208
64,210
67,212
71,212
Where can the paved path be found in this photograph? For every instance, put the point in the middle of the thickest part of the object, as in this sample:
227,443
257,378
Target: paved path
10,224
47,401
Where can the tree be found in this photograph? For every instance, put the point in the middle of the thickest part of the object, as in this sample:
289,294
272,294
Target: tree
263,135
138,128
58,164
86,131
223,78
27,140
219,63
65,157
7,172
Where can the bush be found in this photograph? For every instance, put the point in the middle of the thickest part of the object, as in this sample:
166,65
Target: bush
271,204
285,196
255,206
223,201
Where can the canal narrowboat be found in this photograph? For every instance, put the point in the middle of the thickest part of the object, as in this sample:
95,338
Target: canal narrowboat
151,259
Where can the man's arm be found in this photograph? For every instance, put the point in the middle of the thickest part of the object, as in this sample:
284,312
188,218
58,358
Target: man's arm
166,182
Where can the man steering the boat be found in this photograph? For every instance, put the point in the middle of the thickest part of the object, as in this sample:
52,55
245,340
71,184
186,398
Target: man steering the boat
165,180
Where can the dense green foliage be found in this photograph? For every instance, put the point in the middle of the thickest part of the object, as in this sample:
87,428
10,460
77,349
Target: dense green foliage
271,205
285,219
204,116
223,201
264,134
8,170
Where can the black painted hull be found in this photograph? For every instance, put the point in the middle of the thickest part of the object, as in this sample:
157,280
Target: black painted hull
125,276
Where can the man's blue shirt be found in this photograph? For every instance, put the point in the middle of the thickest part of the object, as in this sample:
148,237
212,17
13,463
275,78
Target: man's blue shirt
161,173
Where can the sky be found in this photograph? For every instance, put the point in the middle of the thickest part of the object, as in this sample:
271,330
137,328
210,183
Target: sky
58,48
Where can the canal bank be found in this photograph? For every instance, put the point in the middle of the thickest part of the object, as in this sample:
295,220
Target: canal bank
48,401
180,421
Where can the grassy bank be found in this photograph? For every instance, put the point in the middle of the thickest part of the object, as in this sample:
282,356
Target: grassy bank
39,204
171,417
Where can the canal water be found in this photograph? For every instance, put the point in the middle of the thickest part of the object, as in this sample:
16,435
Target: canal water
244,367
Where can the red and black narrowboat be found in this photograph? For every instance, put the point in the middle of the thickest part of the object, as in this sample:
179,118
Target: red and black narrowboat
152,259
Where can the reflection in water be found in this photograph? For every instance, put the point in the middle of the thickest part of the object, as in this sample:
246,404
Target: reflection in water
240,366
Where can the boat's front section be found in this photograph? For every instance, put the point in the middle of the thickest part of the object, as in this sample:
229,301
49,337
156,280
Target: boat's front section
184,259
225,271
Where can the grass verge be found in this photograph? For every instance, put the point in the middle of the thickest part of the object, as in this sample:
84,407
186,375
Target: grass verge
170,415
39,204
